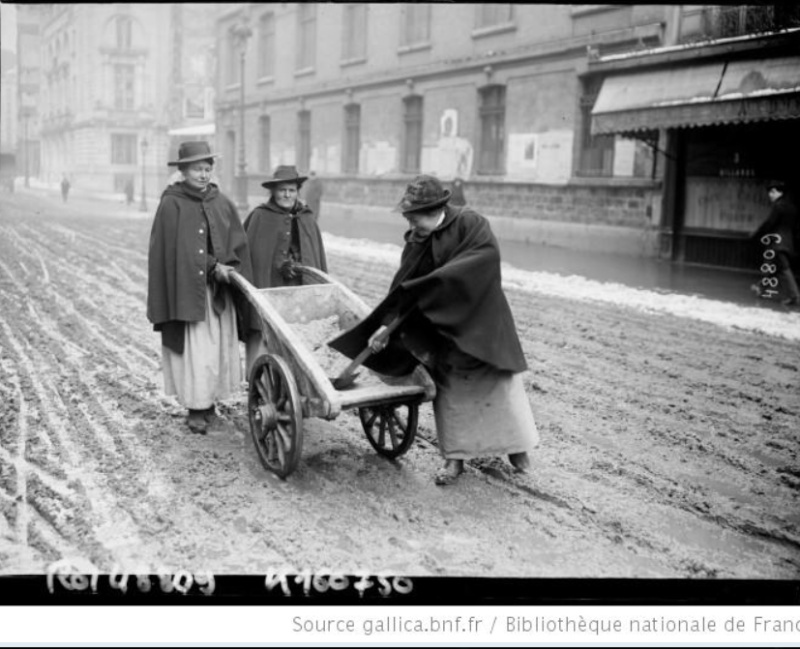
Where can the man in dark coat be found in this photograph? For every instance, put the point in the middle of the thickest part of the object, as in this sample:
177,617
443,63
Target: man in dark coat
781,232
282,233
458,323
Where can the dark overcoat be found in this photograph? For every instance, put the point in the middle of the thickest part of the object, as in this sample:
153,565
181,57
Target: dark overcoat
269,234
783,221
191,231
450,283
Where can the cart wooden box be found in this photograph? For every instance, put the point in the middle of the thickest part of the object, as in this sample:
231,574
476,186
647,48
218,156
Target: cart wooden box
287,384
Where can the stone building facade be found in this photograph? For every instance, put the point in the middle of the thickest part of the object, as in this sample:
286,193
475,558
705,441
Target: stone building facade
367,95
116,78
501,95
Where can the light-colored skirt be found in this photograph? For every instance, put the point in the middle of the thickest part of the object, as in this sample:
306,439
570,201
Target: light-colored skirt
483,413
209,368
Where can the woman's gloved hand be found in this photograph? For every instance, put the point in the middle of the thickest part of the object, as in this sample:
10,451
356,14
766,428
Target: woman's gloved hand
288,270
222,273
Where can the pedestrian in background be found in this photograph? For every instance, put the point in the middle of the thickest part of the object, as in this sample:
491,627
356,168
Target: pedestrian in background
129,191
196,241
65,185
782,222
457,322
457,198
282,233
313,194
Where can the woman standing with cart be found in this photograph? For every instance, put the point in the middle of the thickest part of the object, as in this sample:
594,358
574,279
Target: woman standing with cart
197,239
282,233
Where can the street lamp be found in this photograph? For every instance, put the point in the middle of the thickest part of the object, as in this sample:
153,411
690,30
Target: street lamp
143,145
241,33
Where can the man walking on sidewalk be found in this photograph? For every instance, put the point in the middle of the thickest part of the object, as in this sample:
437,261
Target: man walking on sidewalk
782,229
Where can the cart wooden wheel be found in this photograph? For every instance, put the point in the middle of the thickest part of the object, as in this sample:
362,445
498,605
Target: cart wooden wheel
390,428
276,416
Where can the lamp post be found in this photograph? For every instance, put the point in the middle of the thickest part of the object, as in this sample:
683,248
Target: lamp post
143,145
241,34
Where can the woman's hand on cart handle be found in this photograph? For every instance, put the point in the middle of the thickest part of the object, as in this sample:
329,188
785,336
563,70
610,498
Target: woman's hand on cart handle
222,273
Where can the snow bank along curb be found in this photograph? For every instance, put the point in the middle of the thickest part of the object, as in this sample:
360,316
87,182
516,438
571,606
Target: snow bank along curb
723,314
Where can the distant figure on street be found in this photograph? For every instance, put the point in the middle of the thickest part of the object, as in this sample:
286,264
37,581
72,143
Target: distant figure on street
129,192
783,223
457,197
313,193
65,188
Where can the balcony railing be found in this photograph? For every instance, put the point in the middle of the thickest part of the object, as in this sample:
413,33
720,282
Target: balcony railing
738,20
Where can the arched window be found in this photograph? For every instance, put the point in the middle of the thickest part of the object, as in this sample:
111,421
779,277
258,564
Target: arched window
124,30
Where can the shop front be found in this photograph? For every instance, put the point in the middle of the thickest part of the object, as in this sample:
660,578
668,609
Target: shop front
729,122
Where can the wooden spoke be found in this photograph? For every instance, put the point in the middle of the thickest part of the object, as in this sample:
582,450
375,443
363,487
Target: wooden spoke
392,432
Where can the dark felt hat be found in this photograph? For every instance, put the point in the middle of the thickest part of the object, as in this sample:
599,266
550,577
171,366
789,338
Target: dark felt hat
192,152
285,174
423,194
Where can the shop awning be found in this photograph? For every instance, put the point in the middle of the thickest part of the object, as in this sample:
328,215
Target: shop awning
735,92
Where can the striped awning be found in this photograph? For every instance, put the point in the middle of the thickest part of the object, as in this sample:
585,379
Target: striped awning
702,95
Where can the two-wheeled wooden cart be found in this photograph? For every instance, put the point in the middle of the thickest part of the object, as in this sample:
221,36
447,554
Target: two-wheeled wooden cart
288,385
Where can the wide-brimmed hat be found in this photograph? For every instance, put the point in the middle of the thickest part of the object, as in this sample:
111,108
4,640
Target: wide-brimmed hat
285,174
423,194
192,152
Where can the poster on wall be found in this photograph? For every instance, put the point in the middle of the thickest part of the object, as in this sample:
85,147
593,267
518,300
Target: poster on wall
624,156
523,154
452,156
555,157
448,123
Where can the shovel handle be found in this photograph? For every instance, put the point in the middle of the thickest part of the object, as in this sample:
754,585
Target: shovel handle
365,353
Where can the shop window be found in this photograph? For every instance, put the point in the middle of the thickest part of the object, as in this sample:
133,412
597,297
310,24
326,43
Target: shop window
412,134
123,149
264,143
306,36
492,114
354,32
352,138
416,26
597,151
304,140
266,45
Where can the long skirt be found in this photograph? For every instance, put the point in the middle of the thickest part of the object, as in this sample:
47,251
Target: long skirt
483,412
209,368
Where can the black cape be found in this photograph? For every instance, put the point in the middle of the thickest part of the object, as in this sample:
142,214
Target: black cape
449,283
